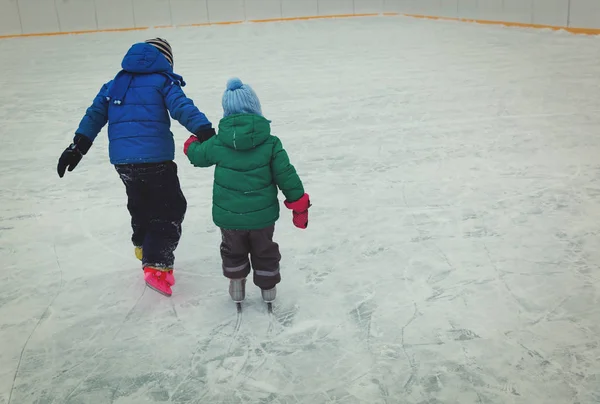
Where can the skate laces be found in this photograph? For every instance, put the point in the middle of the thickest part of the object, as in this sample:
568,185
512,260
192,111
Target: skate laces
157,273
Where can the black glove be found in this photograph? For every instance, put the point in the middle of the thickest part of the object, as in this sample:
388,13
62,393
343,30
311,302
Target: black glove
204,134
73,154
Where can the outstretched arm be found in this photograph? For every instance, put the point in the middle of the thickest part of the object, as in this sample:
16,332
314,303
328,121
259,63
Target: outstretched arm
288,181
96,116
184,111
285,174
92,123
200,153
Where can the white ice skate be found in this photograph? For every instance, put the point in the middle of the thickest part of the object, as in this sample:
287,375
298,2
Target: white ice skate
237,289
269,295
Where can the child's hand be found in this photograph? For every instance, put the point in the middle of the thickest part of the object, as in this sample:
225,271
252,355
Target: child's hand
73,154
204,134
188,142
300,211
69,158
201,136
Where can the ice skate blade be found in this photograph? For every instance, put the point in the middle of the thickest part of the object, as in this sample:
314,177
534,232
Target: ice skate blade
158,290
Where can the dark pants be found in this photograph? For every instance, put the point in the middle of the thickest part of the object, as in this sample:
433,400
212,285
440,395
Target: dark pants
157,207
236,245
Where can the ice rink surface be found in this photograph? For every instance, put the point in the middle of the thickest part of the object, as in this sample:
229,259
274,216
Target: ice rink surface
452,254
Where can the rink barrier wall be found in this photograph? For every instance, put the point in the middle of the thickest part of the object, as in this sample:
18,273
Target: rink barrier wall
206,24
573,30
22,18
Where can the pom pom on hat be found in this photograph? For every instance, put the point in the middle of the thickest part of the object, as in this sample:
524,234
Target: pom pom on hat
234,84
240,98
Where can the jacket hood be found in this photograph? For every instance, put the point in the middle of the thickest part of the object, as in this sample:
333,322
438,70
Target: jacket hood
145,58
142,58
244,131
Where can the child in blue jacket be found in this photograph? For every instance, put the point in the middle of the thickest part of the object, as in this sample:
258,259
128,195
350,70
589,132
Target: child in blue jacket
136,104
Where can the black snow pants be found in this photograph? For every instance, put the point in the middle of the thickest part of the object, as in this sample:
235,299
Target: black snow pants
237,245
157,207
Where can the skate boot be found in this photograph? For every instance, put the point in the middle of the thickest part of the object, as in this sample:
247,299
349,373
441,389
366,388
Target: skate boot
139,253
269,295
159,280
237,289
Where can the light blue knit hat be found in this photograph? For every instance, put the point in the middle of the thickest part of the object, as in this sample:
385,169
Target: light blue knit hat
240,98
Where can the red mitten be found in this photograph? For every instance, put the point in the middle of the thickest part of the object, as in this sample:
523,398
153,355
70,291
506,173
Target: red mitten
300,211
188,142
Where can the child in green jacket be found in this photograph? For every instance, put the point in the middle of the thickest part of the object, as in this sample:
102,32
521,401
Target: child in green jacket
251,164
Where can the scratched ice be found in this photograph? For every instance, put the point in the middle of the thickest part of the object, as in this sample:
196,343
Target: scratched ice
452,254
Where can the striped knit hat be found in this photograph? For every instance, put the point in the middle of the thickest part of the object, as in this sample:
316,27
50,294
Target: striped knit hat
163,46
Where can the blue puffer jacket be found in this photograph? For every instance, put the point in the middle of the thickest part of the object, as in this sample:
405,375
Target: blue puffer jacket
136,105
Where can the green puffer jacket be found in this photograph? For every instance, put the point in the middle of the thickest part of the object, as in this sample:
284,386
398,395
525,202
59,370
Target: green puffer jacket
250,165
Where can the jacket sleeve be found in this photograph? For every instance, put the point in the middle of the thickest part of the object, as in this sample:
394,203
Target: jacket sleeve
96,116
183,110
285,174
201,154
